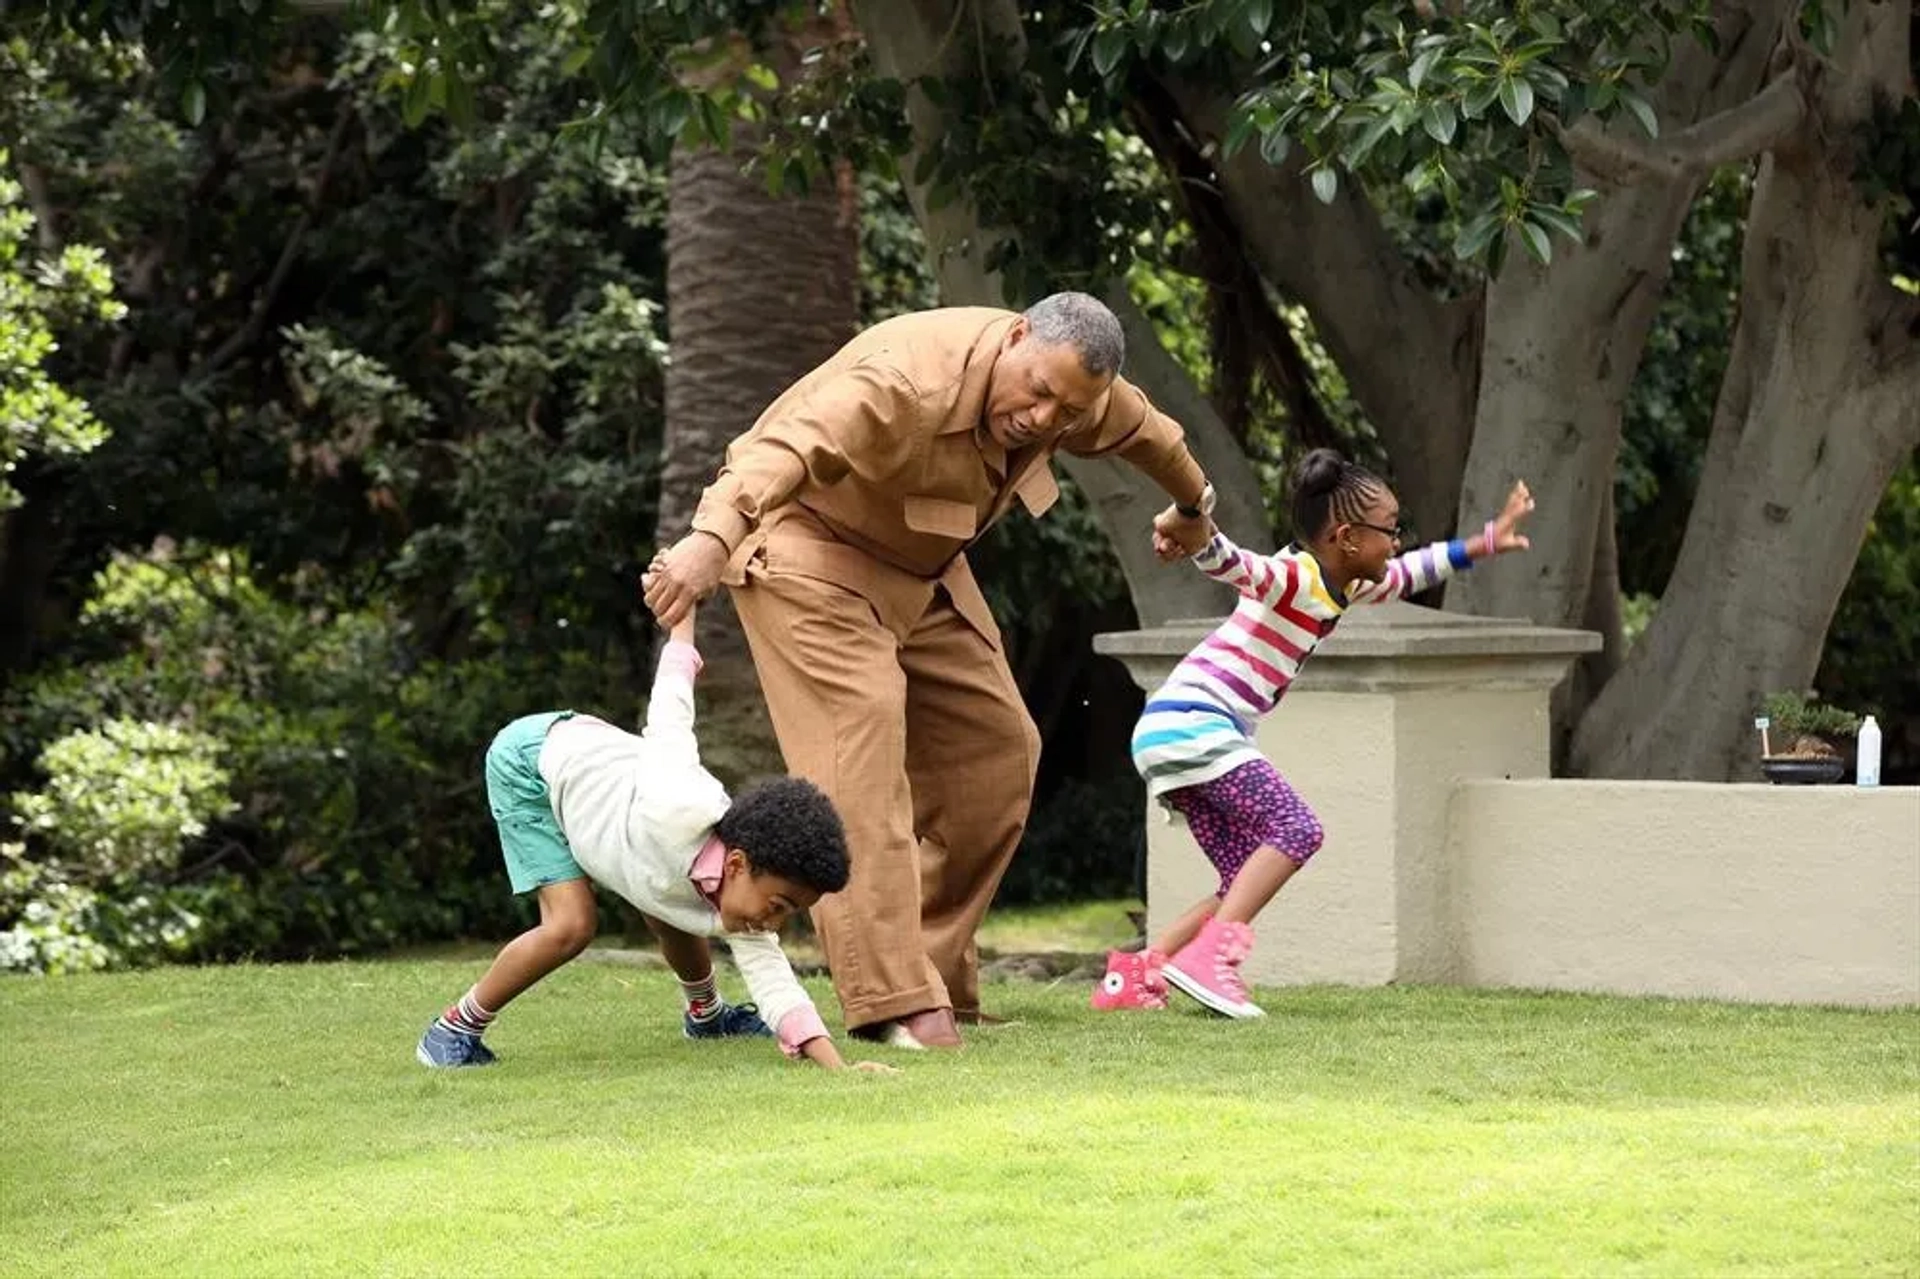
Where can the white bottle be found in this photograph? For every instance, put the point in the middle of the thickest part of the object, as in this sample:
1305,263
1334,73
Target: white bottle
1866,768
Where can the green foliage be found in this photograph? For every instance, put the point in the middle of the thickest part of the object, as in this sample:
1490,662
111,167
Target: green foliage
894,274
353,762
88,887
125,797
37,296
1466,104
1804,713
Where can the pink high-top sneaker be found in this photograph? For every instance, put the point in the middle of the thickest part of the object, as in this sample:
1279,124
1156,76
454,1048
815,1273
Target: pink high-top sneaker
1131,981
1208,968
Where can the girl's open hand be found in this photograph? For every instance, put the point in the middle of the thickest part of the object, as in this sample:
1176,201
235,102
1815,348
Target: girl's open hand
1506,527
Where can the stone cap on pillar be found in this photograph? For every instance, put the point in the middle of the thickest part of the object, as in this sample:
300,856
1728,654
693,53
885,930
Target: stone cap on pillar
1386,646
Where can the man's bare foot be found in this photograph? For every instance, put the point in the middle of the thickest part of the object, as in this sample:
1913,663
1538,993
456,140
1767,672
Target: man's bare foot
931,1028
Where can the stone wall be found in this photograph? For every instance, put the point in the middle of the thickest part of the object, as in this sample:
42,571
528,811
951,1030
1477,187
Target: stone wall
1421,741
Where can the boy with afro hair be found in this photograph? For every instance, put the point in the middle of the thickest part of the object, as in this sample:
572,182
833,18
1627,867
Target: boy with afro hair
578,801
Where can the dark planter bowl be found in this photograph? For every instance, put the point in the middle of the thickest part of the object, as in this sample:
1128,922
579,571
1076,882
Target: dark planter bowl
1803,771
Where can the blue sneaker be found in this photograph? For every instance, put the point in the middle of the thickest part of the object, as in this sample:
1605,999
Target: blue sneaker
443,1047
730,1021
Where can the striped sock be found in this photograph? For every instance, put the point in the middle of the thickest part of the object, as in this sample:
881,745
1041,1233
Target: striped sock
467,1016
702,997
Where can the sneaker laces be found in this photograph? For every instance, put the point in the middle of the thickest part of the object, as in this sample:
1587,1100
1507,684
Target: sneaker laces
737,1018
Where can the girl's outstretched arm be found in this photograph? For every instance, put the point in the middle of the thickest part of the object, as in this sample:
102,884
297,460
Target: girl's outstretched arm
1427,566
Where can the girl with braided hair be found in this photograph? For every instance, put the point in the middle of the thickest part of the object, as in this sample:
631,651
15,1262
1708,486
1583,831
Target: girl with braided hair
1194,742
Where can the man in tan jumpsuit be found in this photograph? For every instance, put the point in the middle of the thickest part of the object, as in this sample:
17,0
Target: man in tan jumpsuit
840,524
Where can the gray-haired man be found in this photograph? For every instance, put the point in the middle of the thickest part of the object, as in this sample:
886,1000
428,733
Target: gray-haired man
840,523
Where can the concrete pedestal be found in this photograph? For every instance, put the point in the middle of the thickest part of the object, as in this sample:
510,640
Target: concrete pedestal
1400,705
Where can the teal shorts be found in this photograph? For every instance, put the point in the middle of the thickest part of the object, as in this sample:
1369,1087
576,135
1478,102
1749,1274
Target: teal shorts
535,848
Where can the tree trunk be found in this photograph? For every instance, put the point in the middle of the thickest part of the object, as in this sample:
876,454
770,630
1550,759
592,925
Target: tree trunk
912,39
1817,410
760,290
1563,344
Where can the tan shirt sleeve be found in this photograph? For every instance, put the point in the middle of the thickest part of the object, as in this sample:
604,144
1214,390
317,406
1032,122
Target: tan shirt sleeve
1145,437
861,421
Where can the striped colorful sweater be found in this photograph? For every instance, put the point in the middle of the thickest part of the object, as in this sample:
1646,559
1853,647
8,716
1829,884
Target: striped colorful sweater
1199,724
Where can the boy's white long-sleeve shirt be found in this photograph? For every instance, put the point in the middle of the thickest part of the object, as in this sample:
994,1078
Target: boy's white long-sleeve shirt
638,808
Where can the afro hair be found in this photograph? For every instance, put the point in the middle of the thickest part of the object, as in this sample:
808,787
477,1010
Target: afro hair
787,825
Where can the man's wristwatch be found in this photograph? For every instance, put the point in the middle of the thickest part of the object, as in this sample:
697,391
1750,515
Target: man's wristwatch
1205,506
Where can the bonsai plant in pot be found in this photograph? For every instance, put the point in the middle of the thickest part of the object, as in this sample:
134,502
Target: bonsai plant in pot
1803,739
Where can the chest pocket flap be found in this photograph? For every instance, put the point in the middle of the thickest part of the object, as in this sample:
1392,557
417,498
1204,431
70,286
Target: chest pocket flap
1039,491
941,516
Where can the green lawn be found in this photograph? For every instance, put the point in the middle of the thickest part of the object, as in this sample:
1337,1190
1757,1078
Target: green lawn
269,1121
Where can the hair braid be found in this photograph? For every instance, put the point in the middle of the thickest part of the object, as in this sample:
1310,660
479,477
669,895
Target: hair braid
1327,490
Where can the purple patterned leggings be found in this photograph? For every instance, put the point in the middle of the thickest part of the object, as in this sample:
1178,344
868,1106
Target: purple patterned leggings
1252,806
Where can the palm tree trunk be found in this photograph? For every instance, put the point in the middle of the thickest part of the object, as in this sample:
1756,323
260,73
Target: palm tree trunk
760,289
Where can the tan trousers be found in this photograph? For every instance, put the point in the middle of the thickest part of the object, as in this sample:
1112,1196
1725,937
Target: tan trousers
918,733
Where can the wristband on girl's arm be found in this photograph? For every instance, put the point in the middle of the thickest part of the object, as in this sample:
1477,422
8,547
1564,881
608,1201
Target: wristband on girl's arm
1487,536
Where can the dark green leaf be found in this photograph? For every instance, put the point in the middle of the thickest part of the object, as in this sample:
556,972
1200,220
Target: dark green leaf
1274,145
1556,220
1642,111
714,123
1356,154
1439,121
1497,253
1475,234
1326,183
1237,134
1417,73
413,108
675,109
1108,48
1480,97
1077,46
1174,43
1259,17
1516,96
460,104
1241,36
1538,243
193,102
1573,103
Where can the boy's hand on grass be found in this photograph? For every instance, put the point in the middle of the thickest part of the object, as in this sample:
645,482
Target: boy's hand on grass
821,1052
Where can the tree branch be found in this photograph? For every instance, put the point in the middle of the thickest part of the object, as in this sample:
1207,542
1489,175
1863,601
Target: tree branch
1248,335
1727,137
34,183
249,332
143,277
1412,358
